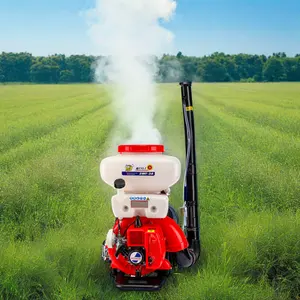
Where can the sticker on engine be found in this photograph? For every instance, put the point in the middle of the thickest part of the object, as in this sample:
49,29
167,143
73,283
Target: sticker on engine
136,257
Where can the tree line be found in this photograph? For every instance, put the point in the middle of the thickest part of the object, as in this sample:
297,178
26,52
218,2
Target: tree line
217,67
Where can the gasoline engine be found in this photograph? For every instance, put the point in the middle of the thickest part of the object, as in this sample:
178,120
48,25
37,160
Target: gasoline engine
146,241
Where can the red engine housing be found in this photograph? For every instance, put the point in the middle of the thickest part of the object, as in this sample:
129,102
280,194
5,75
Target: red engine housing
155,237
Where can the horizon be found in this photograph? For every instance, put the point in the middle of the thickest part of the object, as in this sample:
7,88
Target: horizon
167,54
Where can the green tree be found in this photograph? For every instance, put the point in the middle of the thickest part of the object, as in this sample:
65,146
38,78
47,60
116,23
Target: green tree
179,55
16,66
2,77
170,69
80,66
231,70
189,67
292,68
213,71
279,54
66,76
44,73
274,70
59,60
216,67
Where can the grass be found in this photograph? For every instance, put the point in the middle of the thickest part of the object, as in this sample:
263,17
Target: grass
55,211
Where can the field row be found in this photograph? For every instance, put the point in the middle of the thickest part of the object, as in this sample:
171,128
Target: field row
55,211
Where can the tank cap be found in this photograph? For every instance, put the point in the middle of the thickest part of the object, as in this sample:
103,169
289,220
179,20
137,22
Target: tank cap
140,148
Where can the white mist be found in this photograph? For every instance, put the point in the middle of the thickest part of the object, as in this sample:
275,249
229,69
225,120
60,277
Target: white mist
129,34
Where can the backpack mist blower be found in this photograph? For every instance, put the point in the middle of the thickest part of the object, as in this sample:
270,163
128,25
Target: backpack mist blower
146,242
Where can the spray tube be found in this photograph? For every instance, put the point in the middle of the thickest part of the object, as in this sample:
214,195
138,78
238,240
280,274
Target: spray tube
191,218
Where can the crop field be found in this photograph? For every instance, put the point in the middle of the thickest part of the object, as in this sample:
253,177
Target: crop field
55,210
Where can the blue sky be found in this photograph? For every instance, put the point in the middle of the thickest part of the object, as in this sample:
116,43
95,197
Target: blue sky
201,27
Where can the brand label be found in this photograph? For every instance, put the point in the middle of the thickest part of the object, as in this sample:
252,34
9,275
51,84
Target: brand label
135,257
132,170
147,168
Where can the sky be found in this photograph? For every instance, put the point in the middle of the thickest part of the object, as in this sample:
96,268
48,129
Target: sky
200,27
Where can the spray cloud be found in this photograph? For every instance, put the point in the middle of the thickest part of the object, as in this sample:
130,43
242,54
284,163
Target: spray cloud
129,35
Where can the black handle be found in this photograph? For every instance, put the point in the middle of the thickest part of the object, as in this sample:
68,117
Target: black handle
191,189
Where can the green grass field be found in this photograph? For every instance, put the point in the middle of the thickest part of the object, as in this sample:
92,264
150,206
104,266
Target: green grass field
55,211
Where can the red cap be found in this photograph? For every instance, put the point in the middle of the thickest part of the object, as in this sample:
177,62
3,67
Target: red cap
140,148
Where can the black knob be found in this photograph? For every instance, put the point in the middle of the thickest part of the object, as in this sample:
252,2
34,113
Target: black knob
119,183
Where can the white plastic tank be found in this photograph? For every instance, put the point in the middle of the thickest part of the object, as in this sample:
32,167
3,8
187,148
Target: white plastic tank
144,168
